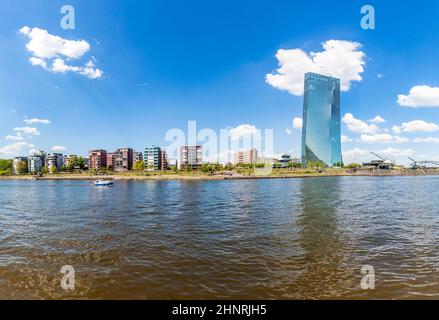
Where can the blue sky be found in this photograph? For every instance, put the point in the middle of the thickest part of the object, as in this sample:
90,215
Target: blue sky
167,62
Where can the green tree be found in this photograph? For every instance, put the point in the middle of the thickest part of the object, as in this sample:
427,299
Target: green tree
139,166
53,170
22,167
5,167
44,170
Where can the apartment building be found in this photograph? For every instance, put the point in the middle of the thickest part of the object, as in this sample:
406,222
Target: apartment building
191,156
246,156
123,159
97,159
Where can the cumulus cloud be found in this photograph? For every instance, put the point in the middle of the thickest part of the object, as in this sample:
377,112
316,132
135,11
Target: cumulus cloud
359,126
377,119
243,131
36,120
361,155
339,58
17,137
297,123
45,47
345,139
426,140
420,96
383,138
15,148
59,148
416,126
28,130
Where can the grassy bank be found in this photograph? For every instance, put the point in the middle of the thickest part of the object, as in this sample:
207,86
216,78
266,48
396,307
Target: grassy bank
241,174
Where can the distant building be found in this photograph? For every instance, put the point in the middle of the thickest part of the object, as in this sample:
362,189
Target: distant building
123,159
54,160
110,160
246,157
321,137
164,160
35,163
191,156
138,156
16,162
155,159
97,159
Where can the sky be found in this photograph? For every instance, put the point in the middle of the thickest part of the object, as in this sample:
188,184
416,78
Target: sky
130,71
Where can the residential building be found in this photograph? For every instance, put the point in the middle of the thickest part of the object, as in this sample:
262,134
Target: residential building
110,160
35,163
123,159
321,137
246,156
16,162
97,159
155,159
191,156
164,160
138,156
54,160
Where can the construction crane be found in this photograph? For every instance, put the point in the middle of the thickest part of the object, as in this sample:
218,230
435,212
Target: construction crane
378,156
429,164
380,164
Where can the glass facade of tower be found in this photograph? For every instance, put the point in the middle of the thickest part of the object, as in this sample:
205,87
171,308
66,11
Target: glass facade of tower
321,133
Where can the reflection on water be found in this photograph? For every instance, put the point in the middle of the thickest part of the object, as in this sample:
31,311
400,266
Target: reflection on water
277,239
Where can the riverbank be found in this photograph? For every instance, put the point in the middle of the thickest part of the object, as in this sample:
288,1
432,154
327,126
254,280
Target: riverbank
275,174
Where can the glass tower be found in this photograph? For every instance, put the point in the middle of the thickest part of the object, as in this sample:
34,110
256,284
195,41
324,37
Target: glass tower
321,140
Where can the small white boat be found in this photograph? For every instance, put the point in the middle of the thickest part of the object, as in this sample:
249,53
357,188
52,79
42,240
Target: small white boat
103,183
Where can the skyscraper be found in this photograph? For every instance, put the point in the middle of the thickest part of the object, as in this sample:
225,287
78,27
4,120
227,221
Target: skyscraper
321,137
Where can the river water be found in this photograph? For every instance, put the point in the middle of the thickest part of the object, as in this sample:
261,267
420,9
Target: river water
247,239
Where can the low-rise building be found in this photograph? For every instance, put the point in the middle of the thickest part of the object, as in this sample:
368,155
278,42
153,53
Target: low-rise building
123,159
16,163
35,163
246,156
191,157
138,156
97,159
54,160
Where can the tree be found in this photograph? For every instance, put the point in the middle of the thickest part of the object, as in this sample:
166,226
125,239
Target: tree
139,166
53,170
5,167
22,167
44,170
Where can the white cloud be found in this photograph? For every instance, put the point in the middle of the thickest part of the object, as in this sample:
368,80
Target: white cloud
15,148
383,138
38,62
297,123
359,126
339,58
396,153
416,126
426,140
45,47
345,139
377,119
420,96
361,155
18,137
28,130
288,131
59,148
243,131
36,120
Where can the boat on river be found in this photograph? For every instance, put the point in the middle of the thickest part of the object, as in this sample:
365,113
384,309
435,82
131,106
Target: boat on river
104,183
